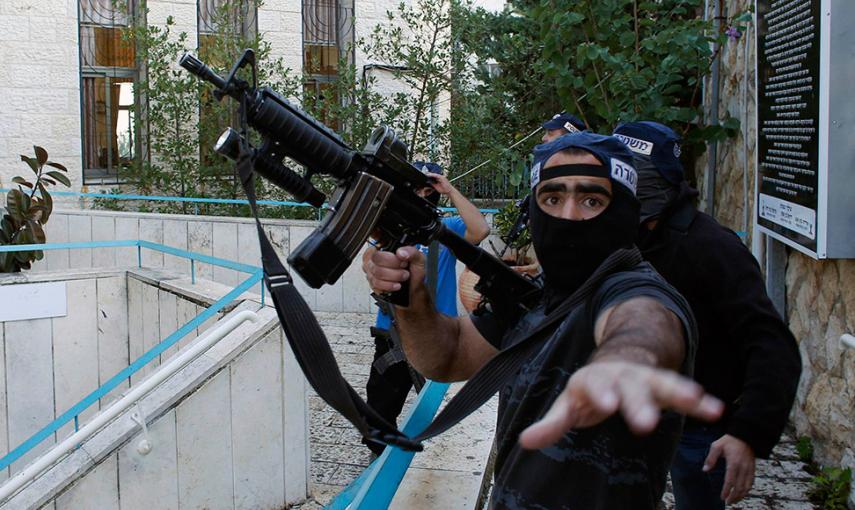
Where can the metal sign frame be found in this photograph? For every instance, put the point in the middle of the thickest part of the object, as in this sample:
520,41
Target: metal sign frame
835,195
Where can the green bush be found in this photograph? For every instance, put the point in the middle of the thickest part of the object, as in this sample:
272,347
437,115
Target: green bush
27,213
804,448
831,488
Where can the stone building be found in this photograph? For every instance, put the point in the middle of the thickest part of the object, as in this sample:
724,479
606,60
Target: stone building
818,295
66,81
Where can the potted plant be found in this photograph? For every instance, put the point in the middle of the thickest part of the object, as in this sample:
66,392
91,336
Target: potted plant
511,223
27,212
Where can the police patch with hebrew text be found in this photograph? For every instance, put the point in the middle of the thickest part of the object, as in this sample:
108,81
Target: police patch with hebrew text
625,174
636,144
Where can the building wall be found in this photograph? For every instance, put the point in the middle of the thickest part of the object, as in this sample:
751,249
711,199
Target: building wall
281,24
230,430
227,238
734,183
50,364
820,295
39,85
40,99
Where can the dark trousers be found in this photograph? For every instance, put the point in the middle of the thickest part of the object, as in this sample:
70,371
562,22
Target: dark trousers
694,489
387,391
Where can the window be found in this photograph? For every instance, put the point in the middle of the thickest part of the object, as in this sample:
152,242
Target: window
327,40
108,75
224,21
225,28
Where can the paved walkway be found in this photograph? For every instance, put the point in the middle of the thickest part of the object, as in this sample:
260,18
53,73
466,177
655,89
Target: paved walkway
447,475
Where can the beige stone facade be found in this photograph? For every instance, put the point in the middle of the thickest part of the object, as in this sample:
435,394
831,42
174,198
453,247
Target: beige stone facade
40,80
820,294
39,85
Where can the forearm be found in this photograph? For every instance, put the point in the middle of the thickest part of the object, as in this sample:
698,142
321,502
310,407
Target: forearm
642,331
429,338
476,225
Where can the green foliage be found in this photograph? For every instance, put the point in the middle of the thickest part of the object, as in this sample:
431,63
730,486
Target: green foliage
179,133
804,447
830,485
503,222
110,204
831,488
183,119
603,60
417,46
27,213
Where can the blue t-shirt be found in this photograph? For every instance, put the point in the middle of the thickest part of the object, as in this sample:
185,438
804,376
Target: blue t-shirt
446,276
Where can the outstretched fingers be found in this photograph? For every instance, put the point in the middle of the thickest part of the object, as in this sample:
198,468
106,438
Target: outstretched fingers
683,395
600,389
587,399
637,405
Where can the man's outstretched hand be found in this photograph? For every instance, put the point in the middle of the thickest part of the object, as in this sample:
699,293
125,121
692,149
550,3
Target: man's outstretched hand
639,392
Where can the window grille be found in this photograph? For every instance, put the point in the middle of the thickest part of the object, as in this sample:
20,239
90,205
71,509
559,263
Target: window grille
108,76
327,41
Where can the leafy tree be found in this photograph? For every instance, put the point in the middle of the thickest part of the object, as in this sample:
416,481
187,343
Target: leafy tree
182,119
175,121
603,60
417,47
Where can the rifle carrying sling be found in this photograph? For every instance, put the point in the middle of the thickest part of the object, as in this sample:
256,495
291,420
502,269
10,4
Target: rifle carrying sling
315,357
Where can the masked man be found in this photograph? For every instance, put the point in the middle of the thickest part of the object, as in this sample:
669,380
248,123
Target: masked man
609,346
746,355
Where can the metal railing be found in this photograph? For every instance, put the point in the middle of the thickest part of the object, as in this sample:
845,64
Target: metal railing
197,201
73,413
133,396
377,485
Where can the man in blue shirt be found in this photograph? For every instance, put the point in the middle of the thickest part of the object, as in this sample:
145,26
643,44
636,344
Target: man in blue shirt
390,379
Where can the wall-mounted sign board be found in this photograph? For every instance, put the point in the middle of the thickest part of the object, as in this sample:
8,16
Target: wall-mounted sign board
25,301
805,192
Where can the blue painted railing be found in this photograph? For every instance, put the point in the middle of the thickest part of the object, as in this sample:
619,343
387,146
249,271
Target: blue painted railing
194,200
377,485
73,413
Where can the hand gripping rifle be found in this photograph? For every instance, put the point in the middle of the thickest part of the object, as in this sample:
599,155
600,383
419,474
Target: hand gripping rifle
375,196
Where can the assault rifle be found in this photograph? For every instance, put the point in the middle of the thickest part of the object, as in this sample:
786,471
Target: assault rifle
375,194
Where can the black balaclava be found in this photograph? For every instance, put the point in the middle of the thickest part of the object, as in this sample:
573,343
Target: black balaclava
655,193
569,251
656,153
433,198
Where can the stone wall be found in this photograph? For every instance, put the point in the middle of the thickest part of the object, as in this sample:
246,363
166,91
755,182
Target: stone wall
820,294
280,23
39,85
820,308
734,194
40,70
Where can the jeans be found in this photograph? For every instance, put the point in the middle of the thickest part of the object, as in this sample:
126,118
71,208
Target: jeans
694,489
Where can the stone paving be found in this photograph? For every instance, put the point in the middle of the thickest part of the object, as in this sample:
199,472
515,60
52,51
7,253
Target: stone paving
338,457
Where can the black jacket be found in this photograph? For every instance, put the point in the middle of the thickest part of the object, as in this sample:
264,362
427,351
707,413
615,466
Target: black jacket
746,354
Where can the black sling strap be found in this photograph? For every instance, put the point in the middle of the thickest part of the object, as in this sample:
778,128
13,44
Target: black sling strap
315,357
395,354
